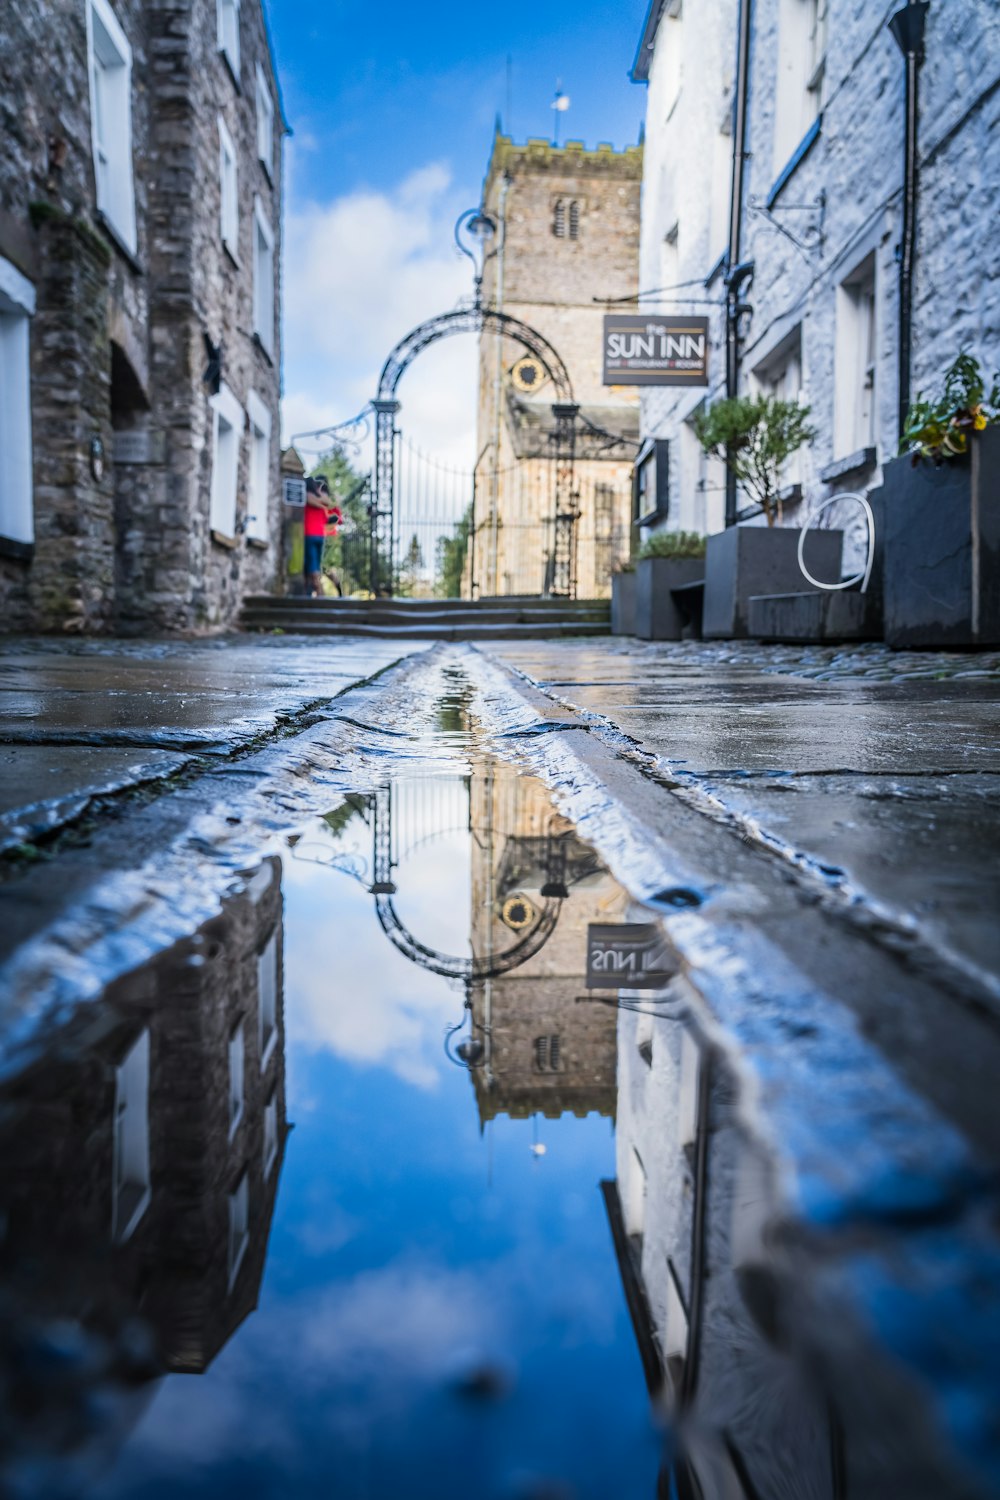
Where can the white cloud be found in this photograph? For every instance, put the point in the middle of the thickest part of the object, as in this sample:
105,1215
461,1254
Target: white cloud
360,271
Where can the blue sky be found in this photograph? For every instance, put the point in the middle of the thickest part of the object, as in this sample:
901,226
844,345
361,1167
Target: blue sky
392,110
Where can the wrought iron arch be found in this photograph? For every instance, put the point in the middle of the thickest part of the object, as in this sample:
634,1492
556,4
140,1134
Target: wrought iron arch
473,320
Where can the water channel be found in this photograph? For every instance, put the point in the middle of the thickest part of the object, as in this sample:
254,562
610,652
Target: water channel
363,1188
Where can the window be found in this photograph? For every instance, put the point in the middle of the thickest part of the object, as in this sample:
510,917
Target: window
267,998
110,66
670,263
259,488
270,1134
230,222
227,425
236,1051
634,1206
228,20
855,373
263,277
239,1226
801,56
17,304
780,376
131,1187
559,219
548,1054
687,1096
574,220
265,123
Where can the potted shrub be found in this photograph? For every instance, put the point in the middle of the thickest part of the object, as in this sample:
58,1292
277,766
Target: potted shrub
941,504
755,436
667,561
623,599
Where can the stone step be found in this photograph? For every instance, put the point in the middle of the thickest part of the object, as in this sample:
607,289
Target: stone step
815,616
425,630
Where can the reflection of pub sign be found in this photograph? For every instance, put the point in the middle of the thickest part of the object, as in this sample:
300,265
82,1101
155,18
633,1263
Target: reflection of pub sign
650,350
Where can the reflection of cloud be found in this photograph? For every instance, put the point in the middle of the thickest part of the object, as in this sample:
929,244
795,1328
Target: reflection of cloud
360,271
348,989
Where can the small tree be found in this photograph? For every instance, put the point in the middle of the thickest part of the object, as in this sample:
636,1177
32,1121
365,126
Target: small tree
754,436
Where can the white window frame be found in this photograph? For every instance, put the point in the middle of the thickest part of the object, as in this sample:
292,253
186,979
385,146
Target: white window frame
228,27
237,1058
265,123
229,196
780,376
267,999
855,402
263,276
109,68
227,434
270,1149
259,485
800,62
131,1185
17,307
239,1226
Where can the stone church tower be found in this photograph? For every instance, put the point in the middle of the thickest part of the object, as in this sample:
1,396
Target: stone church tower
568,233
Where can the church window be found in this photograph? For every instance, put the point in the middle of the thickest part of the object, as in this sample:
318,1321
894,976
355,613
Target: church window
574,220
548,1054
559,219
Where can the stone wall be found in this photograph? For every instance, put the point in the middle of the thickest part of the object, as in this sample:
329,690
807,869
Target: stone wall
841,195
118,351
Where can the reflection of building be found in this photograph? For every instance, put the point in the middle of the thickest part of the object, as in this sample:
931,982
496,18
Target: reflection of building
547,1053
141,1155
689,1211
570,234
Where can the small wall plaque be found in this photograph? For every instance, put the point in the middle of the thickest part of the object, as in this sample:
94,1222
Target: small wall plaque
293,491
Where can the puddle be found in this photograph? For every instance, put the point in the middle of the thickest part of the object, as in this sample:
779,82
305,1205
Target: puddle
376,1183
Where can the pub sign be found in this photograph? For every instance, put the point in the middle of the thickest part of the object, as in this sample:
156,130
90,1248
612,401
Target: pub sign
646,349
628,956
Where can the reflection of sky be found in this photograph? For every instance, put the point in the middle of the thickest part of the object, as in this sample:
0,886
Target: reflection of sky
408,1250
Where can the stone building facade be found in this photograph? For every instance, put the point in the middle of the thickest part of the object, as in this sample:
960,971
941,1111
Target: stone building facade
819,222
140,214
568,233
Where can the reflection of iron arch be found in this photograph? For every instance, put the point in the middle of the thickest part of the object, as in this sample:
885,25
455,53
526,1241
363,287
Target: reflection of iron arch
382,506
466,968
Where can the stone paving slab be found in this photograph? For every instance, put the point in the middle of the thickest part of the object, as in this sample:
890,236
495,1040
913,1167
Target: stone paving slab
881,769
87,718
43,787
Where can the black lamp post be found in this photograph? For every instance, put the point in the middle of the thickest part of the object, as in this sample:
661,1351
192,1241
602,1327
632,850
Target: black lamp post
907,27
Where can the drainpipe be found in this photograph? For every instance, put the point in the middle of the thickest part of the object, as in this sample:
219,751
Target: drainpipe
736,273
907,27
494,559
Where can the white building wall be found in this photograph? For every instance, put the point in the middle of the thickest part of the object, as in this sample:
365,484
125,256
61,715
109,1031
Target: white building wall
855,165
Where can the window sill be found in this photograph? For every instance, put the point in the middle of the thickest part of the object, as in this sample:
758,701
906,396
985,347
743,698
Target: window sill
119,244
791,494
864,458
233,257
231,70
221,540
795,160
259,342
258,543
719,266
267,170
19,551
651,517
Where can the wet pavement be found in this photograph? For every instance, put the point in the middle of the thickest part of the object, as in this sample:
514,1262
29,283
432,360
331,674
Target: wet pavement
326,1168
881,770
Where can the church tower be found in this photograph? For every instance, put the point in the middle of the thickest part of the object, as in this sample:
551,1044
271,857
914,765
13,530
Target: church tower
567,241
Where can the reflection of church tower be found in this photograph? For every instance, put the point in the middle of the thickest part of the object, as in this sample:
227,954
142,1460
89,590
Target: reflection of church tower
140,1158
547,1053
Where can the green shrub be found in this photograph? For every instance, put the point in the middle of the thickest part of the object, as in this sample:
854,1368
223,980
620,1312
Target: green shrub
754,435
673,544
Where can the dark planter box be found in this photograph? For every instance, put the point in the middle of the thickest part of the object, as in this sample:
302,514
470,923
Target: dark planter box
745,561
942,549
623,604
657,616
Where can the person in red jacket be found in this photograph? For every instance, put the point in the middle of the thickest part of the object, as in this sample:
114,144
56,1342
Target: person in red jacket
322,518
